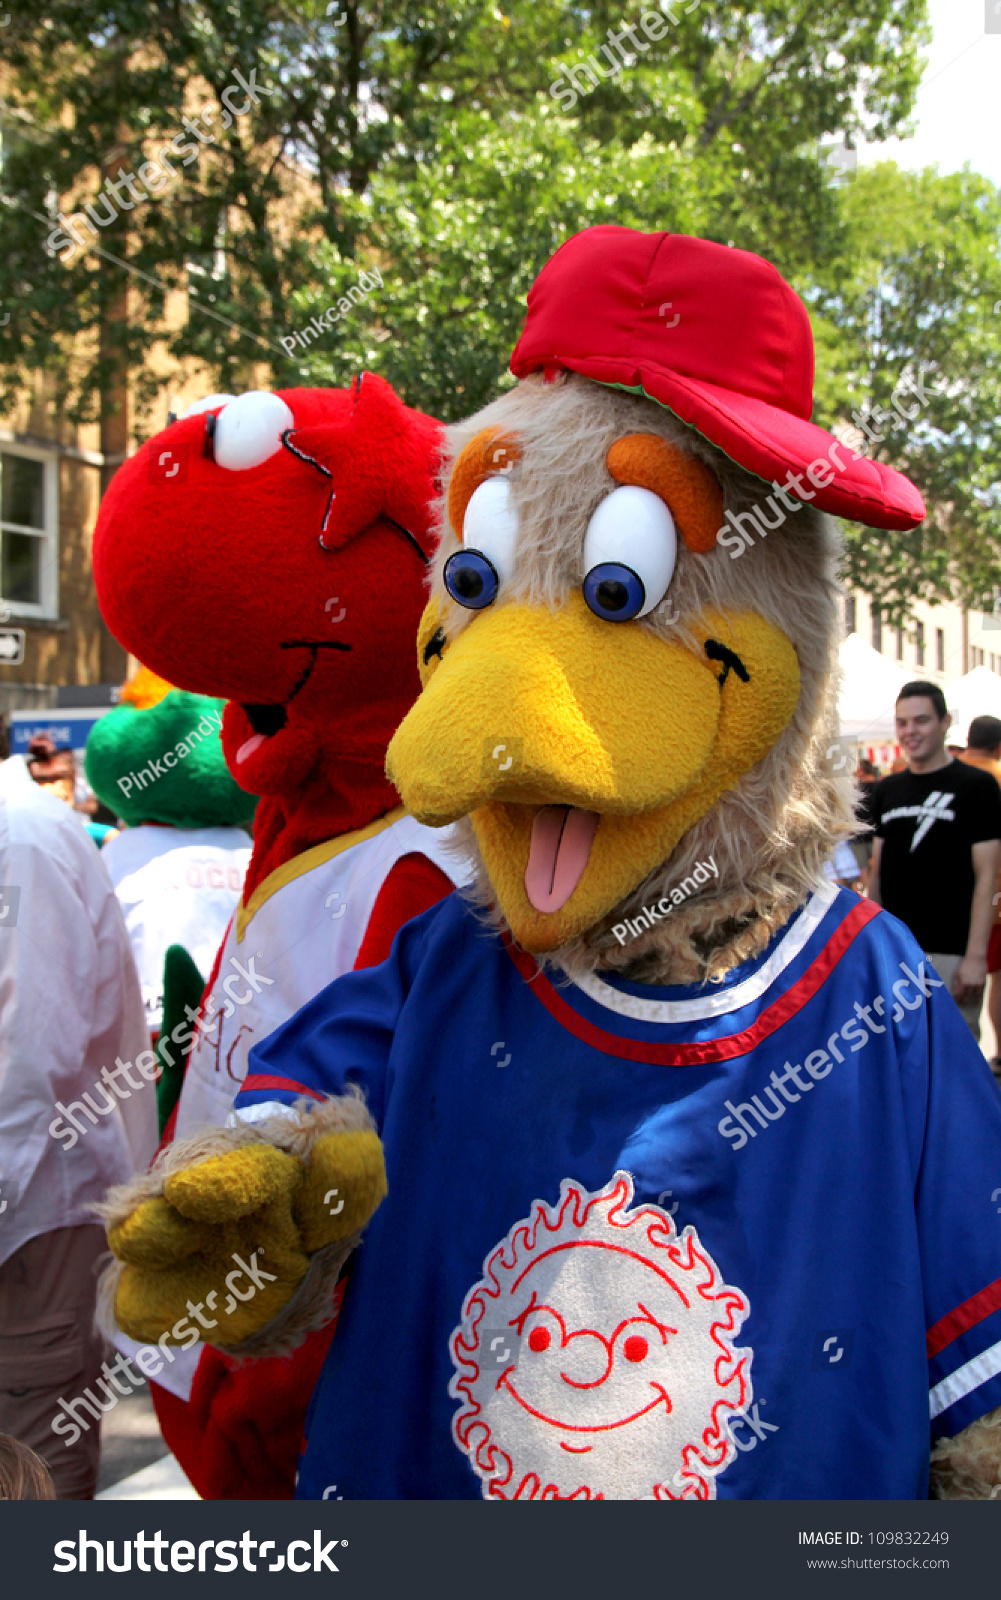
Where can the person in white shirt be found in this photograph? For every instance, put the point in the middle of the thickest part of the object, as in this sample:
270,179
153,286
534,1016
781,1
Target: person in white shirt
77,1113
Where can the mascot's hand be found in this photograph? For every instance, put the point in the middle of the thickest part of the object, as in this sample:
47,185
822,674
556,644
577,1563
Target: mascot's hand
229,1241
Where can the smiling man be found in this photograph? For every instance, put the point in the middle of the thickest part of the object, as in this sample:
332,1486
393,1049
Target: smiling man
937,848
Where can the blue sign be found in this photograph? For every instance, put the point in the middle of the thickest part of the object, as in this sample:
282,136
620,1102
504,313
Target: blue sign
64,728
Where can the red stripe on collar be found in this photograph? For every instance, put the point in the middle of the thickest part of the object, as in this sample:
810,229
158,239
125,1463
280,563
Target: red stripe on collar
689,1055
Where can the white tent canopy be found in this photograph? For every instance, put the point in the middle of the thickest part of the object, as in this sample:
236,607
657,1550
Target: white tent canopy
978,694
869,688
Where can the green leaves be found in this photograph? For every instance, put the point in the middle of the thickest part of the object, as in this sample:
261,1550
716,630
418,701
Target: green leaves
433,141
462,237
701,116
912,297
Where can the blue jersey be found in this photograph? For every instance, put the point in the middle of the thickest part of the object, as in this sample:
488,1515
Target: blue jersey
737,1241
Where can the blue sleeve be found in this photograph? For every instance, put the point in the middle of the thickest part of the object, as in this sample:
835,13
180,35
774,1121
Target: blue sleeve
342,1036
957,1201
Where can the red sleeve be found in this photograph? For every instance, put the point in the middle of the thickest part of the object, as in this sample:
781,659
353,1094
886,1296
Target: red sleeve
239,1435
414,885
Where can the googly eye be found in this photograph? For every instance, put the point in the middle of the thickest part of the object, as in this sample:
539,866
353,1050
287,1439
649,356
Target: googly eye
630,551
490,525
614,592
471,579
249,430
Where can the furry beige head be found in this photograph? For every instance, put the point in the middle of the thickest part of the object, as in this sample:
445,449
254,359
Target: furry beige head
770,827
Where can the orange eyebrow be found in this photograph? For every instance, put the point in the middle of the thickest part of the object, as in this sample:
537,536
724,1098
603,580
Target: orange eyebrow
687,487
491,452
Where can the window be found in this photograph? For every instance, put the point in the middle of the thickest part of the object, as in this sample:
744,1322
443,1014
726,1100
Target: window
900,644
28,531
877,628
978,657
849,613
940,649
919,643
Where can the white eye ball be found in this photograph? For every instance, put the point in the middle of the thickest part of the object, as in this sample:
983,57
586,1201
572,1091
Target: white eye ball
631,536
210,403
249,430
490,525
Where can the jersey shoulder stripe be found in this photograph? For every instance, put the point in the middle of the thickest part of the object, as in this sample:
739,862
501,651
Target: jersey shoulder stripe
726,1048
973,1375
964,1317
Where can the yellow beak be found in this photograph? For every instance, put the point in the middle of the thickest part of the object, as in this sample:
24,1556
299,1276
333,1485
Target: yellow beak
528,709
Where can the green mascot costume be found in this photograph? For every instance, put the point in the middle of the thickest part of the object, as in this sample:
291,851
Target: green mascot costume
178,867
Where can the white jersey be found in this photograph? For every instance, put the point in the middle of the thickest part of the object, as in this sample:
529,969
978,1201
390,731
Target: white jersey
176,886
301,928
69,1010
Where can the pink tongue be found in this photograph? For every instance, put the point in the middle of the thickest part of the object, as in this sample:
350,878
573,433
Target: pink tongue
248,747
558,854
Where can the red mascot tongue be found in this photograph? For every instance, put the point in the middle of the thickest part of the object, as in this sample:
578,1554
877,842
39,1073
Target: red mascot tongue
558,854
248,747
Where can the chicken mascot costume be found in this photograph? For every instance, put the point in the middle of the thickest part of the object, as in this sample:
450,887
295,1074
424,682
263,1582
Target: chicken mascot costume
271,549
673,1160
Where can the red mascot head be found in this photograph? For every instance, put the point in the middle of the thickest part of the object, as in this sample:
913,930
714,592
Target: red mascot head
271,549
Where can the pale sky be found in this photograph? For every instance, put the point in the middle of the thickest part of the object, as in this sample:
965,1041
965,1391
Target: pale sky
958,111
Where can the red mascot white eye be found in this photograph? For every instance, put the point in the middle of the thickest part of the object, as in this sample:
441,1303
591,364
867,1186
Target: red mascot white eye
249,430
210,402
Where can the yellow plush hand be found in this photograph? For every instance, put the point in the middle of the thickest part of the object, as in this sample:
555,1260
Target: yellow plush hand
344,1185
229,1241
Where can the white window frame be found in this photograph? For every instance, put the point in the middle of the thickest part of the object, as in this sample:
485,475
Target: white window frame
48,607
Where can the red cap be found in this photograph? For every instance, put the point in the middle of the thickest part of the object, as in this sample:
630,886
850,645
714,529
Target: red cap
719,338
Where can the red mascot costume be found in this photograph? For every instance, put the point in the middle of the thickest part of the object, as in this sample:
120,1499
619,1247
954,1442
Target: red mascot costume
271,549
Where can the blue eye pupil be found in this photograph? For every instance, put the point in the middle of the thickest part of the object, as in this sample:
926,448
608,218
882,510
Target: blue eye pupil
614,592
471,579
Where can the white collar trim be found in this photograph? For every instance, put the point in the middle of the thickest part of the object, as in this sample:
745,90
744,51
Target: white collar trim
724,999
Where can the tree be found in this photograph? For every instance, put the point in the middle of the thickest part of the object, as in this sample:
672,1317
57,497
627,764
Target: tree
909,318
366,137
460,243
462,225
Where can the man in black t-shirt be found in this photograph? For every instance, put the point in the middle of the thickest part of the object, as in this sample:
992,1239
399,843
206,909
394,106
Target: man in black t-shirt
938,848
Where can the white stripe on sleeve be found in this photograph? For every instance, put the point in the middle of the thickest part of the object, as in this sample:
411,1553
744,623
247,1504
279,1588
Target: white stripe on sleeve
965,1379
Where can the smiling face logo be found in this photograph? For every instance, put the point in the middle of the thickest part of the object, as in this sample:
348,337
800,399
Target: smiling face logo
595,1357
